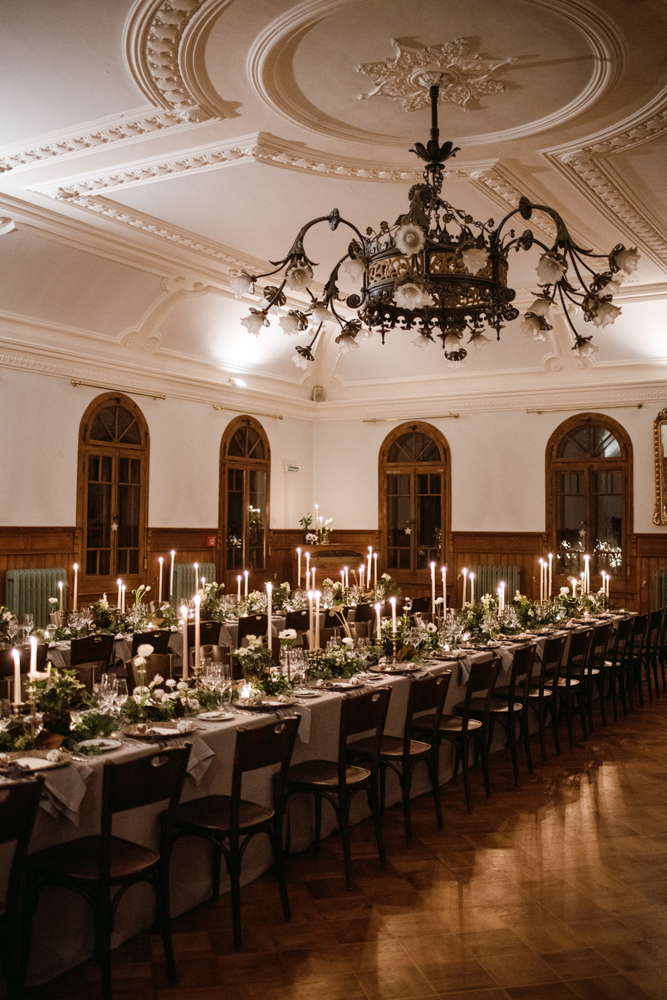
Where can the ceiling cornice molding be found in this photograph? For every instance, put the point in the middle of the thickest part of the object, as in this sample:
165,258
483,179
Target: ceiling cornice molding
130,127
128,375
159,51
588,165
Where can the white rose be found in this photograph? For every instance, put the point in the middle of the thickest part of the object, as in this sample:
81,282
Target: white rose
145,649
565,590
186,725
158,679
170,683
347,641
182,686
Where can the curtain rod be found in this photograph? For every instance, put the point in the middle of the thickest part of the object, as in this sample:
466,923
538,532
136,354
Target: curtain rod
236,409
112,388
603,406
392,420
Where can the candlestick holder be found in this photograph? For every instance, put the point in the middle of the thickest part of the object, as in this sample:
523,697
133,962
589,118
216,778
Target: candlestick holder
394,647
196,674
18,708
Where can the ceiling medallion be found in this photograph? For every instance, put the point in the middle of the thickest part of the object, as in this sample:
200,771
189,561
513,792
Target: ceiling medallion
438,272
463,76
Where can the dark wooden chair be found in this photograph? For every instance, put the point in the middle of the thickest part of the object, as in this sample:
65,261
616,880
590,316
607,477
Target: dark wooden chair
569,683
402,754
298,620
464,730
635,660
420,606
364,613
94,866
251,625
18,807
91,657
339,781
541,697
614,667
158,639
508,706
652,648
157,664
595,675
209,633
229,822
334,619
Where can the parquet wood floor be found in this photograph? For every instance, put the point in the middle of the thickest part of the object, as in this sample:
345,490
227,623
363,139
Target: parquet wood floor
552,891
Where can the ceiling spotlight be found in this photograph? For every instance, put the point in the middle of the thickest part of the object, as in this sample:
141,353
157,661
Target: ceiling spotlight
438,273
238,382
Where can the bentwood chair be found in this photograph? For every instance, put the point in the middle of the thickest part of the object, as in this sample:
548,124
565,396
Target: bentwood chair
614,667
18,808
229,822
91,656
542,698
337,782
251,625
635,660
157,665
464,730
298,620
158,639
595,675
508,705
653,646
569,682
209,632
94,866
402,754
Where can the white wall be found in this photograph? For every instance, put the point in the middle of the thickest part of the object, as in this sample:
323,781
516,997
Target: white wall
39,432
497,462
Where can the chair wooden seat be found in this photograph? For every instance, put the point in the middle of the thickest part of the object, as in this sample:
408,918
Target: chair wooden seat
213,812
500,705
448,723
562,681
80,859
504,692
391,746
325,772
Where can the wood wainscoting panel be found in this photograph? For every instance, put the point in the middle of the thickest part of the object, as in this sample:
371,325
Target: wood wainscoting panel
191,545
283,543
35,548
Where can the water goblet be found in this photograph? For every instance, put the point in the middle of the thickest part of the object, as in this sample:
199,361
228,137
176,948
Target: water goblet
121,692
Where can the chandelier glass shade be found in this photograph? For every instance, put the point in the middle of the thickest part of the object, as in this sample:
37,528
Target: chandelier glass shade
438,273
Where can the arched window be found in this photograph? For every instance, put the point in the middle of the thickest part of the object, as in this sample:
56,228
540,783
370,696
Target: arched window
113,491
589,501
414,497
245,467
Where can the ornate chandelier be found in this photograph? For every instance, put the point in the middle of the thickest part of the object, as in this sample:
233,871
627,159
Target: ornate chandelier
439,273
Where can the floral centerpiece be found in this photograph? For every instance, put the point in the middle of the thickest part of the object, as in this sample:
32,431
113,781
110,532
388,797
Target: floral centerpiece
386,587
6,621
57,692
258,669
316,529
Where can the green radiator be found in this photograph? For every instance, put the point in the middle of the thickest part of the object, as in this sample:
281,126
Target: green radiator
28,592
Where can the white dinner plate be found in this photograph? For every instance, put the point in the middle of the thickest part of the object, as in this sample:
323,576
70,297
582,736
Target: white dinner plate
103,744
38,763
307,693
216,716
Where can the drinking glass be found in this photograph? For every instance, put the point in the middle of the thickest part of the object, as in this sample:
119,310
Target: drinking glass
121,693
5,712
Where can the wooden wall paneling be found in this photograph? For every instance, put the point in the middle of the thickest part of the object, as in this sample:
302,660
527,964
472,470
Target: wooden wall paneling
650,556
283,544
35,548
190,545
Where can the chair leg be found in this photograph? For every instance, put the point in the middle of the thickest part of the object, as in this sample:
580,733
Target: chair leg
318,821
647,669
279,860
523,723
433,772
163,907
581,701
383,786
542,723
372,794
600,686
216,860
466,774
344,824
406,782
30,898
613,680
511,739
485,767
103,942
568,719
234,869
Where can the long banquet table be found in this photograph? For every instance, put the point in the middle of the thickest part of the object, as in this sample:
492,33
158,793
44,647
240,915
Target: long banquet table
63,934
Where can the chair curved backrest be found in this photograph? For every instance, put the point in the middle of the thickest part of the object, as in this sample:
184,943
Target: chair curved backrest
599,643
654,631
209,632
638,635
92,649
157,665
364,613
334,619
158,639
523,664
577,652
18,809
362,713
552,656
482,677
263,746
420,605
142,782
427,694
252,625
298,620
621,640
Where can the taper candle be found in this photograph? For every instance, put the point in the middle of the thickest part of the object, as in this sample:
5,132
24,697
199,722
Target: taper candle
317,617
378,622
171,576
541,581
159,587
120,584
60,588
307,555
75,595
443,570
311,630
197,600
245,574
184,620
269,592
33,655
551,556
370,556
472,588
16,656
465,586
392,601
298,569
375,570
432,588
122,598
238,588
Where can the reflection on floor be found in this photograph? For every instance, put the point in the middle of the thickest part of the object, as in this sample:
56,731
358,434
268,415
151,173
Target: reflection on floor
554,890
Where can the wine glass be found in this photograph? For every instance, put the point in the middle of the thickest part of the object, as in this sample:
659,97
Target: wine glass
26,623
121,692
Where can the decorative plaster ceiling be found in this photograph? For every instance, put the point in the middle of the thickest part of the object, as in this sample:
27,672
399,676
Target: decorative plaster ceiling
190,137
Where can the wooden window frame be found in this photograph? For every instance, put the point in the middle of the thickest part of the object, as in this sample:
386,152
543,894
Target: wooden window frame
622,463
86,448
236,462
443,464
